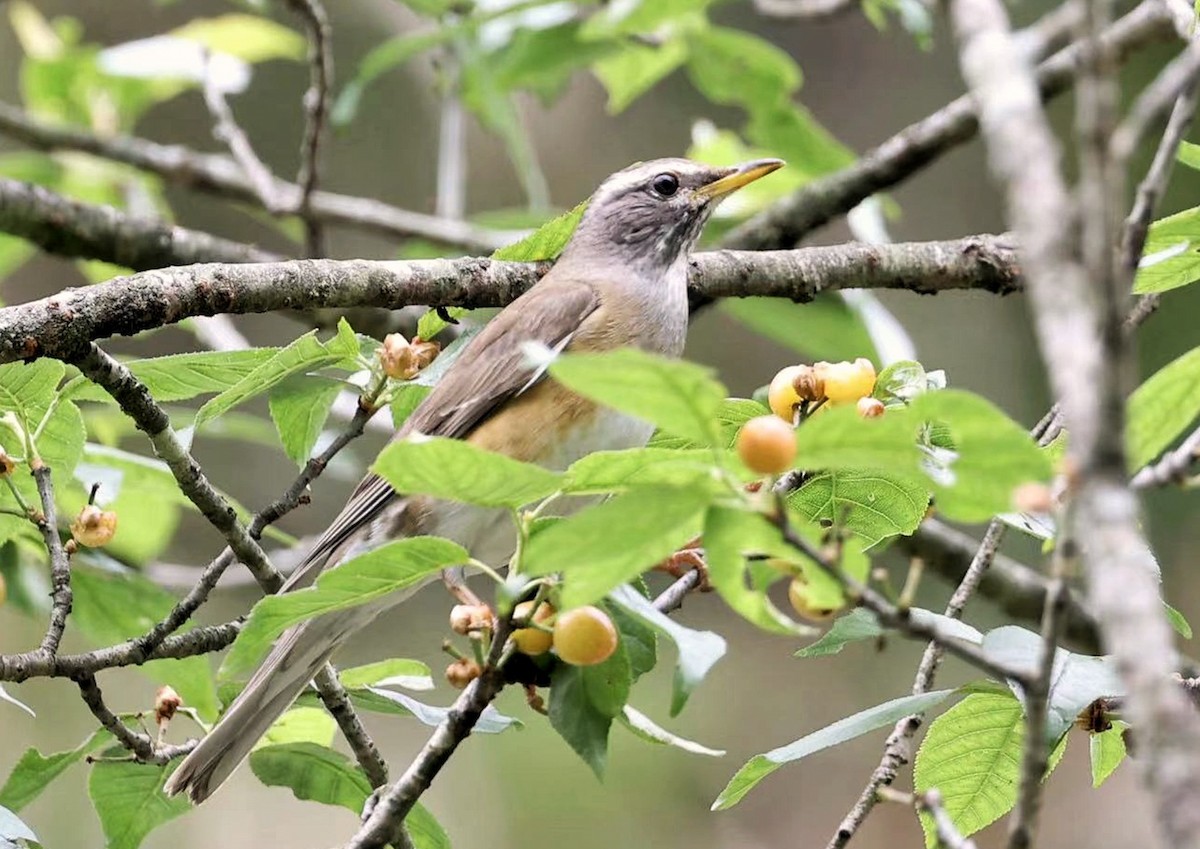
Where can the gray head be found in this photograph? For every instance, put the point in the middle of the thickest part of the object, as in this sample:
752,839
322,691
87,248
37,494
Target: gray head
650,214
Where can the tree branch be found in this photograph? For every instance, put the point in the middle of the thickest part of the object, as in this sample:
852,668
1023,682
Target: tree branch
316,114
142,746
221,176
153,299
60,562
919,144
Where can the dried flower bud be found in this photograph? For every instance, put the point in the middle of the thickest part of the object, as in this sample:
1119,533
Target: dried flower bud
166,702
94,527
870,408
397,357
424,352
460,618
7,464
809,384
1033,498
462,672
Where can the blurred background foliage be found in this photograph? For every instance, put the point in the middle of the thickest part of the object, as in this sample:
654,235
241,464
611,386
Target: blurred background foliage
557,96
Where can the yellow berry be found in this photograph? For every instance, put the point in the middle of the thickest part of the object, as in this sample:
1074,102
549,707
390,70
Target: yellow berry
846,382
532,641
585,636
782,395
799,594
767,445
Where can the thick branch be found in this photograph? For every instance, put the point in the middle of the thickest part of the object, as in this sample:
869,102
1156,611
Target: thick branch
220,175
129,305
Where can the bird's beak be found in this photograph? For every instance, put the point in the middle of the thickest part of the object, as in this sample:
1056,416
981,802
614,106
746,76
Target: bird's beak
738,176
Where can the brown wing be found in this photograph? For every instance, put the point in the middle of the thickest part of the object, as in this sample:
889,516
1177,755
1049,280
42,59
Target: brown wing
491,370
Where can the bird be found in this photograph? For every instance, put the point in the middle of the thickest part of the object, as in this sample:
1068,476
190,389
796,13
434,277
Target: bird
621,280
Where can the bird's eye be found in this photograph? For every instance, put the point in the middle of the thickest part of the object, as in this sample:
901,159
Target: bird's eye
666,184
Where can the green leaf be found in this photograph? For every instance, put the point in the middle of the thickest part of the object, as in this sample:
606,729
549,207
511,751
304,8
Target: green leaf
395,672
305,354
636,68
654,523
390,54
406,400
460,471
972,755
861,624
1178,621
645,728
130,802
736,68
733,413
539,60
248,37
993,455
1076,682
790,131
680,397
24,387
13,832
299,407
1161,408
303,724
904,380
1188,154
379,700
730,535
392,567
576,718
880,716
617,471
430,324
874,506
426,832
638,638
313,773
34,772
698,650
825,329
547,241
112,607
643,17
1107,750
1171,257
180,377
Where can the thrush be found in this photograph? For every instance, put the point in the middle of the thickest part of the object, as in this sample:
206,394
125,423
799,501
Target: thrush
620,281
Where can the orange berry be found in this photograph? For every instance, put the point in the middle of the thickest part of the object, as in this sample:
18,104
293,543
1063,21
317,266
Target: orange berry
94,527
767,445
585,636
532,641
799,595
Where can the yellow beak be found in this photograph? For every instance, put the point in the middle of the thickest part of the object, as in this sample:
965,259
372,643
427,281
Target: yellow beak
739,176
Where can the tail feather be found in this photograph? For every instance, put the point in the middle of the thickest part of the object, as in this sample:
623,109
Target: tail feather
295,660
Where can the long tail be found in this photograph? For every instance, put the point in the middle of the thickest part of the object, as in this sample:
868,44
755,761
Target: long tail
297,657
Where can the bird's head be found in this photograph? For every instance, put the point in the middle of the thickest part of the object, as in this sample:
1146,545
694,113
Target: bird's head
650,214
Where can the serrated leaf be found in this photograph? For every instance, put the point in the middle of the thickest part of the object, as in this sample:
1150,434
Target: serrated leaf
905,380
395,672
680,397
1179,267
698,650
130,802
305,354
406,400
730,535
734,67
636,68
1178,622
313,773
1161,408
299,407
459,471
180,377
824,329
111,607
732,414
34,772
861,624
874,506
863,722
645,728
617,471
547,242
392,567
654,523
577,720
972,755
1106,751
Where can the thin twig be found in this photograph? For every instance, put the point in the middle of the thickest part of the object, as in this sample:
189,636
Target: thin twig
337,702
316,116
142,746
1173,467
60,562
948,835
227,131
1175,81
